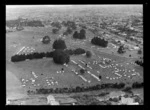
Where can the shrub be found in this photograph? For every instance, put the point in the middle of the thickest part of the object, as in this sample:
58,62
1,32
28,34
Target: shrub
46,40
59,44
88,54
82,71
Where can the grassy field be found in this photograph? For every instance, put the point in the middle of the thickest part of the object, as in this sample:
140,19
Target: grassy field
45,68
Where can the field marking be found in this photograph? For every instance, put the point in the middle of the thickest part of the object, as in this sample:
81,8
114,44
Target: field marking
89,66
93,75
118,74
82,62
20,50
74,62
34,74
81,67
102,66
83,78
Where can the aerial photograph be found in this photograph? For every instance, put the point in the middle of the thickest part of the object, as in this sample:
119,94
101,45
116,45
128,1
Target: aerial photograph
74,54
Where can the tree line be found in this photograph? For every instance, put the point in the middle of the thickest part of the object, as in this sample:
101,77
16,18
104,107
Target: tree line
79,89
121,85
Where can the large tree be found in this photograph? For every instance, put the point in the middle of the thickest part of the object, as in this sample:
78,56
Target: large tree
59,44
60,57
99,41
82,34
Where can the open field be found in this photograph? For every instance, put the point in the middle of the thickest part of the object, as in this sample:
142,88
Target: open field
47,68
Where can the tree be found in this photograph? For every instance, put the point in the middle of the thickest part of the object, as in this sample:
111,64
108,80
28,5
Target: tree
88,54
121,49
60,57
82,34
46,40
59,44
99,42
76,35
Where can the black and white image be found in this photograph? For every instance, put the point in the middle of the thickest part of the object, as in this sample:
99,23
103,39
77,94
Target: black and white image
74,55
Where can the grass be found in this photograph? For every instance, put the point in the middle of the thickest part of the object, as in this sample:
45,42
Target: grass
46,66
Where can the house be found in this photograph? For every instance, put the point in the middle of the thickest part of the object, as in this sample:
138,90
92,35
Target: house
51,100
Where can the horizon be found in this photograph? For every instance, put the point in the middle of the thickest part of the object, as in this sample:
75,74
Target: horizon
73,6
